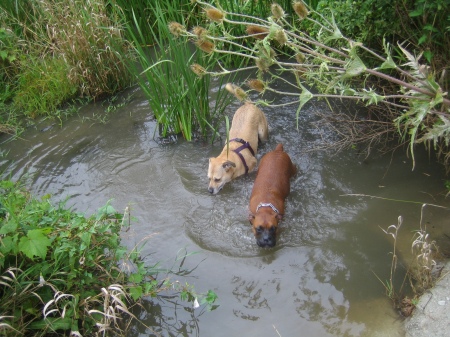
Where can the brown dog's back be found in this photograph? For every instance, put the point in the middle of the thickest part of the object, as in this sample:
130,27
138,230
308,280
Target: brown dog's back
273,178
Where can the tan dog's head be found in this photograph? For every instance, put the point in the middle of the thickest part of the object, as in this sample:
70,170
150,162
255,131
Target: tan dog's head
219,173
264,226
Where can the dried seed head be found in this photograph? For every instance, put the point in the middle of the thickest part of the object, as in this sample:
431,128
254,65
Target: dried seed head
215,14
176,28
262,64
257,85
300,9
300,57
199,31
238,92
281,37
300,71
257,32
198,69
277,11
205,45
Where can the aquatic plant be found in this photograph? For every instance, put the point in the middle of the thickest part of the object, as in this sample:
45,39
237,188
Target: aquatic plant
180,100
411,101
63,272
419,270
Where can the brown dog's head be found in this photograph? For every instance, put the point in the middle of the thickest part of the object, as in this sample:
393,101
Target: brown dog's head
264,226
219,173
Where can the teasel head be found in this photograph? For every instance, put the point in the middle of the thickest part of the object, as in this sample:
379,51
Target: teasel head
300,71
205,45
262,64
198,69
281,37
300,8
277,11
199,31
238,92
257,32
176,28
215,14
300,57
257,85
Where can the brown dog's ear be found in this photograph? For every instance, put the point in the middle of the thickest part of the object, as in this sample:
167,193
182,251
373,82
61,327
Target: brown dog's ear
228,164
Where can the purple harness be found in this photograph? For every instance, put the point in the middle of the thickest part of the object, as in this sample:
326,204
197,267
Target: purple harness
245,145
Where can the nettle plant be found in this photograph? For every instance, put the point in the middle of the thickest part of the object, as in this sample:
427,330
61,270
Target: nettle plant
63,272
335,66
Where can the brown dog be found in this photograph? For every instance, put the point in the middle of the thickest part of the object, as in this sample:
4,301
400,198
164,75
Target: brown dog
271,187
238,157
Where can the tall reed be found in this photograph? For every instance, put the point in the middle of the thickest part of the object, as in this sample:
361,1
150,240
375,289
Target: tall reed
179,98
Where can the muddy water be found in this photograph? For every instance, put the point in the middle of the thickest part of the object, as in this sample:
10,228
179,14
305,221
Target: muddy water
320,278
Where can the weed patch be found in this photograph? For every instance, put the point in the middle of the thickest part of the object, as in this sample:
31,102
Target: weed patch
63,272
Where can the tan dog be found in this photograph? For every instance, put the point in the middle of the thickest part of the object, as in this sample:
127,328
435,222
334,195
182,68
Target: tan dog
272,186
248,125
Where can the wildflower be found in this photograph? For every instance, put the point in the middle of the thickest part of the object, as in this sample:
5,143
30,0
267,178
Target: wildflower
176,28
257,85
300,9
214,14
277,11
257,32
205,45
198,69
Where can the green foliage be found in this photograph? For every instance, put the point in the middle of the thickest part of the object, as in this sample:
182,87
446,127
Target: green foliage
43,85
180,100
53,49
368,21
61,271
432,23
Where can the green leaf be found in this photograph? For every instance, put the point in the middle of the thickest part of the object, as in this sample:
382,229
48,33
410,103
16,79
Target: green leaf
416,12
354,67
422,39
9,227
135,278
55,323
136,292
34,244
7,245
305,96
85,240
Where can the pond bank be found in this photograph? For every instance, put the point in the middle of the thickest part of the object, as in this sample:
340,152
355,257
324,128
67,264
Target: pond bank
431,316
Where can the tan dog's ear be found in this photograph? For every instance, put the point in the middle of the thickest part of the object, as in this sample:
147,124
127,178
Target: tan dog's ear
227,165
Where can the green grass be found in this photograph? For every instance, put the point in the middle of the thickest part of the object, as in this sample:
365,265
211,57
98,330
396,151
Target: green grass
179,99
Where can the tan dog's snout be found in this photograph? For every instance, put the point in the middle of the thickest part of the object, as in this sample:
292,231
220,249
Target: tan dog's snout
219,175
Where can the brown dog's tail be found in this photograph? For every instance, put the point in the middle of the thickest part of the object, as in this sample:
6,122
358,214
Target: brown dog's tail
279,147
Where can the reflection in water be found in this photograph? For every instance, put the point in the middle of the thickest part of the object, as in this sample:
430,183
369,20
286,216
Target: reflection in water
320,278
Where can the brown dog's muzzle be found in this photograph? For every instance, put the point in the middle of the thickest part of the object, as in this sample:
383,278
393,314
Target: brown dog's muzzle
266,237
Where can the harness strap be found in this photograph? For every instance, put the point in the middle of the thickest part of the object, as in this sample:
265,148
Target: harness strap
245,145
